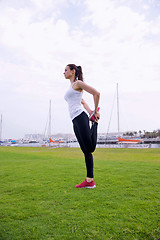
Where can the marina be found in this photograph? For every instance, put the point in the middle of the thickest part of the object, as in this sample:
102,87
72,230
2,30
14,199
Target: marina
105,140
72,142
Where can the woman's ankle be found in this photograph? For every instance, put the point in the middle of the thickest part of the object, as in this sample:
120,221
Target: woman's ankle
89,179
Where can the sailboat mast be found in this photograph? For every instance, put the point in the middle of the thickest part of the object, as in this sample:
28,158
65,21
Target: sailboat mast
1,128
118,108
49,125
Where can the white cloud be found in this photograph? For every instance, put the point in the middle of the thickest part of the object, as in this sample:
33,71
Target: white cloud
121,45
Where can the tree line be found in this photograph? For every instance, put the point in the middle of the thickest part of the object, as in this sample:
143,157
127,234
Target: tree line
143,134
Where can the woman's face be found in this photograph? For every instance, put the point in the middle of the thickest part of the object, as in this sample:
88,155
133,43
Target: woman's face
68,73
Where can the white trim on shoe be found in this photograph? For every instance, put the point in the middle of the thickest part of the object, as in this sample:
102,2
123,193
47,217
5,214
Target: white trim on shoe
91,186
91,115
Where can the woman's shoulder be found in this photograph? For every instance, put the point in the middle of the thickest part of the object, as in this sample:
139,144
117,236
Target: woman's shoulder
78,85
75,84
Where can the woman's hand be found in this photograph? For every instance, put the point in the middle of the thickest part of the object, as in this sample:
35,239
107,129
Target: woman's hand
97,116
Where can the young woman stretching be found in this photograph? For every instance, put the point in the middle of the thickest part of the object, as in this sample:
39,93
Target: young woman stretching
86,136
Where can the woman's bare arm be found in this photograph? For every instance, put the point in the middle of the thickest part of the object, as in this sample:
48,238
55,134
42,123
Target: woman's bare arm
96,95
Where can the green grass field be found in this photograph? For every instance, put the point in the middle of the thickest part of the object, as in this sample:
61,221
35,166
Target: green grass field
38,198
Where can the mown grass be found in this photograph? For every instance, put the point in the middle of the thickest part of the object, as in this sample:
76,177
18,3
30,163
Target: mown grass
38,198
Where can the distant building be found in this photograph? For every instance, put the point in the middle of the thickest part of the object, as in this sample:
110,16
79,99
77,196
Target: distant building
37,137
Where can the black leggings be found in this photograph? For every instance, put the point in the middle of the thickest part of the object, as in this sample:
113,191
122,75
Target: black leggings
87,138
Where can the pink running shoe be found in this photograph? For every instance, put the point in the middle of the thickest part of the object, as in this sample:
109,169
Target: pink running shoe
92,117
86,184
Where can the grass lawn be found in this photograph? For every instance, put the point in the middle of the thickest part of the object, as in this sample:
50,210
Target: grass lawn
38,198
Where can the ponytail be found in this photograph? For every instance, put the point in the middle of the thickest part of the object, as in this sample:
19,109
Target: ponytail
78,71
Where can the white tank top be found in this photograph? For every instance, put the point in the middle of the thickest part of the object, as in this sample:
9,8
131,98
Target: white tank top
73,99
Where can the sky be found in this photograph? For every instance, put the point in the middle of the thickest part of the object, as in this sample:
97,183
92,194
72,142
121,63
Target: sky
115,41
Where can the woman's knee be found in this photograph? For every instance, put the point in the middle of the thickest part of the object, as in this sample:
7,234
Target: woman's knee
89,149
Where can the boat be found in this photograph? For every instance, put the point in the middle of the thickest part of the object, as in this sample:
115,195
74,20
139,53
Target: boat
55,141
123,140
49,138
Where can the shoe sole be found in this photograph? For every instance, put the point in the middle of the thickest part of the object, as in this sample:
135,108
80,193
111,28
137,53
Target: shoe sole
88,187
91,187
92,117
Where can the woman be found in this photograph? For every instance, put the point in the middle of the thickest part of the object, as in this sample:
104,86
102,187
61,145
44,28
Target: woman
86,137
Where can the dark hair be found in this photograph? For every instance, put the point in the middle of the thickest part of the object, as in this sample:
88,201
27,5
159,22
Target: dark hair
78,71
